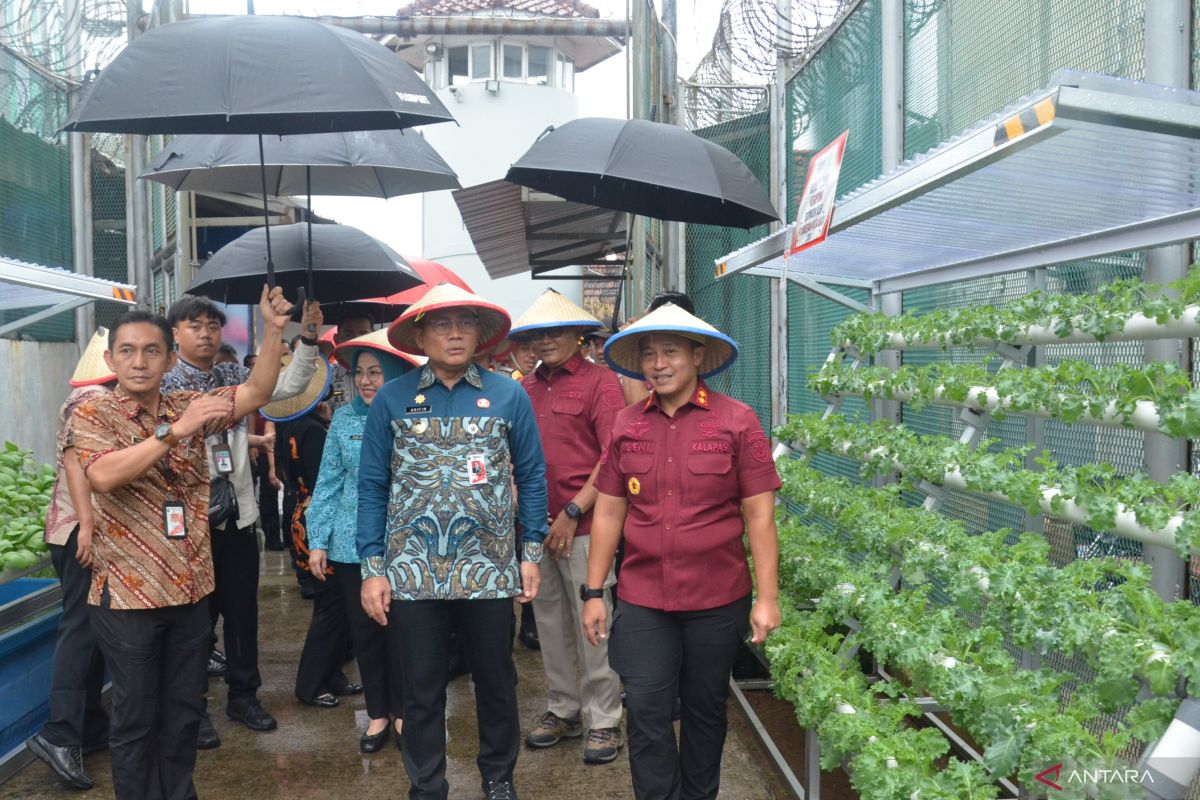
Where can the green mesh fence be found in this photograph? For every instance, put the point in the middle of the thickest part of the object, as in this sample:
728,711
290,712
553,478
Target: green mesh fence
35,183
967,59
740,305
109,258
838,90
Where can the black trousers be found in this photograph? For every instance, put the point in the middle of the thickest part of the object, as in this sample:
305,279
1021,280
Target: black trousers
378,664
157,660
77,717
660,655
423,629
320,668
268,504
235,568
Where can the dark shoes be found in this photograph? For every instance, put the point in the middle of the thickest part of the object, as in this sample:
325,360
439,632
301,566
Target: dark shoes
499,790
347,690
323,700
529,637
217,667
552,729
374,743
250,713
67,762
206,736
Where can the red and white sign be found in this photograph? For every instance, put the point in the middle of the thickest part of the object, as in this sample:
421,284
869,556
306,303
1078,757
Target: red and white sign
820,189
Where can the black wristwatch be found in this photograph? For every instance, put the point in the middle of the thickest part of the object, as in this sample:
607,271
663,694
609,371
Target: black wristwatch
163,433
573,511
586,594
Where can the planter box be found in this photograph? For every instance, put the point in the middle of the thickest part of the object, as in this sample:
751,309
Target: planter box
29,613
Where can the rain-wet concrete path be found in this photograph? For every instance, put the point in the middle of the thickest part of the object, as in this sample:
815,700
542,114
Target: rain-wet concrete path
314,753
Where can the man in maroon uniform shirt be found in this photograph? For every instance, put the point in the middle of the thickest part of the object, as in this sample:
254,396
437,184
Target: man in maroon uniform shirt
575,402
687,472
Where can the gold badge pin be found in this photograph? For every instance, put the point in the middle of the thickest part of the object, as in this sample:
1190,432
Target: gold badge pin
635,486
419,399
702,397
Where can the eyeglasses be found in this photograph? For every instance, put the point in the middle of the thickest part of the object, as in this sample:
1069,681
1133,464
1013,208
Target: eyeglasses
443,325
547,333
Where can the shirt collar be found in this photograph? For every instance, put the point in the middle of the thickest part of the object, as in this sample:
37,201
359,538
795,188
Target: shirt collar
701,397
133,409
572,366
428,378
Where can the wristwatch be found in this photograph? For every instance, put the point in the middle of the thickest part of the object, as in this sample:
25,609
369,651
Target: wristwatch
586,594
163,433
573,511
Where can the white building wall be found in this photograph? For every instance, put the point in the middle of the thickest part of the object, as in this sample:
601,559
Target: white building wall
36,375
494,130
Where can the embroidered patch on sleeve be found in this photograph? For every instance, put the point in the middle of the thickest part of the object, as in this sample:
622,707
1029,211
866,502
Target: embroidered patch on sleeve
760,446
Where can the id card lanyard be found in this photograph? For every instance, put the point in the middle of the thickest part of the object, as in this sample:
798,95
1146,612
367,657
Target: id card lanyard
174,513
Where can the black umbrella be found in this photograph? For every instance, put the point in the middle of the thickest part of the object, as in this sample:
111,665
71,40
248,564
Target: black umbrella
347,264
645,168
357,163
261,75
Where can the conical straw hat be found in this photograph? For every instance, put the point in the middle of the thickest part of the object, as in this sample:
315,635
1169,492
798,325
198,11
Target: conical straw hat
377,341
493,320
621,350
91,369
552,310
301,404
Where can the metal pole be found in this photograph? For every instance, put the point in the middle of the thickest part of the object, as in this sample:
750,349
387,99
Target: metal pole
78,144
780,136
1168,62
892,110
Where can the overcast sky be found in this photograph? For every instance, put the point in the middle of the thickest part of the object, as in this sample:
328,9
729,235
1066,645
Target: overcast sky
601,91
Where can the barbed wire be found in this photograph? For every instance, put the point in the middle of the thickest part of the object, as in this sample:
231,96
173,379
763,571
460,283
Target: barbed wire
751,36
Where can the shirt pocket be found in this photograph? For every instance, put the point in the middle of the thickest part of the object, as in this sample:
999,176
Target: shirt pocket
709,478
567,411
636,469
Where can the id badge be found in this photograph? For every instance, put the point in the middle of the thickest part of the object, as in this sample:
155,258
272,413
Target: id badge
477,468
223,456
174,521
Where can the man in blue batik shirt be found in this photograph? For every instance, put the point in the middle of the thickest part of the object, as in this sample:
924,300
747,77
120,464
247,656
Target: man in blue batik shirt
442,450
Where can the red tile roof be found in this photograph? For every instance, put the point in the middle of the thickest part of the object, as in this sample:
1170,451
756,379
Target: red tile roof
540,8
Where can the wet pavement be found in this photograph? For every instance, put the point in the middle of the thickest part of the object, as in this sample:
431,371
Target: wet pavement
314,753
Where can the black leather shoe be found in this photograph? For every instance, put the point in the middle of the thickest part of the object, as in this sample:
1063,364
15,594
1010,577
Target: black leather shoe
348,690
499,790
529,637
374,743
206,736
216,669
250,713
67,762
323,700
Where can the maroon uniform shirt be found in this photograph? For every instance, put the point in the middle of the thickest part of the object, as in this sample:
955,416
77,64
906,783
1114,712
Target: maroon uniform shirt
684,478
575,408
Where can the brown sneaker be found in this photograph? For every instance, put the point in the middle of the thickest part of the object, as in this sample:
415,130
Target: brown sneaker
552,729
602,745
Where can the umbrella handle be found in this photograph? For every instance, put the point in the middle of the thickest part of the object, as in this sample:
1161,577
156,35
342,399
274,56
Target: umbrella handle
262,170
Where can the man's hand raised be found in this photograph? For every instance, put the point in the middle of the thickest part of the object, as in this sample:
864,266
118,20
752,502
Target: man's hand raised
312,320
200,412
276,311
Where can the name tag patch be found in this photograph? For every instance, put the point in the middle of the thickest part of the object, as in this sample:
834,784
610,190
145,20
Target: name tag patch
710,447
637,447
417,410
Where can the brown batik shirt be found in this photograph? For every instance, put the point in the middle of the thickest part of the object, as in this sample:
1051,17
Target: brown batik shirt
141,567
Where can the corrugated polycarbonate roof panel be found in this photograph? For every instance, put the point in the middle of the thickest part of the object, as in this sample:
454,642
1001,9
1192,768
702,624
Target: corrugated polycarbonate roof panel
1112,171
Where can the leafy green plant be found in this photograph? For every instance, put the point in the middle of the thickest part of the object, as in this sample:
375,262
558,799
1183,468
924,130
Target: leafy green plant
1070,390
1098,315
1095,488
25,489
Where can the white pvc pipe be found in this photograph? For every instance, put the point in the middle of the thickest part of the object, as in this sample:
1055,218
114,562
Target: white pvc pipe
1137,328
1126,521
1145,416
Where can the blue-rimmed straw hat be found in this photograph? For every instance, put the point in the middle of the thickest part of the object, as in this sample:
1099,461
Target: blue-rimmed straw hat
552,310
298,405
622,352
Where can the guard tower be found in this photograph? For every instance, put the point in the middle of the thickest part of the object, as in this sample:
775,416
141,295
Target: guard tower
506,70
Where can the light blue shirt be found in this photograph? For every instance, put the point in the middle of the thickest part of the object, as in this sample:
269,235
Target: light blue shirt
333,510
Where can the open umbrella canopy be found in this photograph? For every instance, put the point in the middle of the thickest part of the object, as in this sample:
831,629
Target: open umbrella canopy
346,264
645,168
254,74
385,309
356,163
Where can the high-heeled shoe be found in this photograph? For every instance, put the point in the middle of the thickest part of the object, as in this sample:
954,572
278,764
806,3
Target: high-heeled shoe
399,738
373,743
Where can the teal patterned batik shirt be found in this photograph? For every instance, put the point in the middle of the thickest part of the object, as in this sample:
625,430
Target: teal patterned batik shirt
435,494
